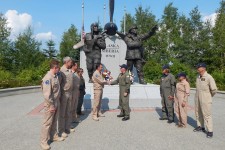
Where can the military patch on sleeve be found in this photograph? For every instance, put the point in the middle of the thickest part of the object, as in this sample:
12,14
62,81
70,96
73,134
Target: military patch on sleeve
96,76
47,82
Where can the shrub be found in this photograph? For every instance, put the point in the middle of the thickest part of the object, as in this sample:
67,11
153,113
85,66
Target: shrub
219,79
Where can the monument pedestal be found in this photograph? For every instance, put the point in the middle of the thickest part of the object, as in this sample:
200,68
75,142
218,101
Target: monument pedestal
141,96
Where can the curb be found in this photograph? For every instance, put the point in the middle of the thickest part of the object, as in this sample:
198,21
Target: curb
19,90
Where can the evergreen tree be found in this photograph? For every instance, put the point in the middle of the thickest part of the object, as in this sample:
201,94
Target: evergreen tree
5,45
219,38
51,51
27,51
70,37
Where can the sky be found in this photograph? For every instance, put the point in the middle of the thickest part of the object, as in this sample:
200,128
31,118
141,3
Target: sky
51,18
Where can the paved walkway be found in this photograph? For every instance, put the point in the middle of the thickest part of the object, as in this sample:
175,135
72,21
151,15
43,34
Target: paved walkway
20,118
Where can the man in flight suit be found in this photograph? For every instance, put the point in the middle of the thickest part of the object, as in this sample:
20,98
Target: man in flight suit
66,98
124,85
98,85
75,94
51,92
167,90
205,90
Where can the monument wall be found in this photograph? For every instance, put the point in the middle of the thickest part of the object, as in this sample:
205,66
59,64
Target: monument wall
112,57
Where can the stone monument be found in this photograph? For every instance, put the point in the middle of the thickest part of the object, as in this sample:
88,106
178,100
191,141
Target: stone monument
112,56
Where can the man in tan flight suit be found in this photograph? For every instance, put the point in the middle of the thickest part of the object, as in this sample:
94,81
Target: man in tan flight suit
66,97
51,91
98,85
75,92
205,90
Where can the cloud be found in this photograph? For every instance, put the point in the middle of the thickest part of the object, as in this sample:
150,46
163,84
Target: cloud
18,22
211,18
45,36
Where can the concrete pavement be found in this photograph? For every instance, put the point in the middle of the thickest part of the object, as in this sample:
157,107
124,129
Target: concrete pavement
21,117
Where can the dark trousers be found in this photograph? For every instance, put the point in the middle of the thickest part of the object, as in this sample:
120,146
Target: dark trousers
80,101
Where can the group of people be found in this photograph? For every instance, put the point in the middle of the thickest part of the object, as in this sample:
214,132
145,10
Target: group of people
63,90
175,96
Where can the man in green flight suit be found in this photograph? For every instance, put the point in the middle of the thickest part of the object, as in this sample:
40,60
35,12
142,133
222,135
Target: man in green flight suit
167,90
124,85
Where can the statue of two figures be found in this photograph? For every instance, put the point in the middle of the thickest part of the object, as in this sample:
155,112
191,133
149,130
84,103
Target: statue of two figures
94,42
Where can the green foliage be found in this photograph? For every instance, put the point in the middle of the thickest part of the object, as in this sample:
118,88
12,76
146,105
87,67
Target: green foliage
70,38
5,45
27,51
152,71
51,51
129,22
219,78
219,38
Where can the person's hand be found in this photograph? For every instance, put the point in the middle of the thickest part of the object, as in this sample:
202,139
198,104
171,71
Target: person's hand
184,104
170,97
52,109
109,82
125,94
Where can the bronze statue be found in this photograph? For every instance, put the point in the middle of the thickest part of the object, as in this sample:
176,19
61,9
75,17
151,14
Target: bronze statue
94,42
135,50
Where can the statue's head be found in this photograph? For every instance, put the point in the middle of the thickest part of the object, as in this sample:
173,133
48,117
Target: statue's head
94,27
133,30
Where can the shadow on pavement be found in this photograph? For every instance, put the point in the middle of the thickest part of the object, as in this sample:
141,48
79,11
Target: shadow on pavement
105,104
191,122
159,111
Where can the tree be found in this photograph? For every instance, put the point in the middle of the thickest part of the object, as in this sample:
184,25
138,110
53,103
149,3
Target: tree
27,51
129,22
5,45
145,20
219,38
169,35
51,51
70,37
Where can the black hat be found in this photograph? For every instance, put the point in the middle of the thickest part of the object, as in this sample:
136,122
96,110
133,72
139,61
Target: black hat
166,67
182,74
201,65
123,66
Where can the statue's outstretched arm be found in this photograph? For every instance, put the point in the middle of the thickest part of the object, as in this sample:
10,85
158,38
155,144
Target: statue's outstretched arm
149,34
121,34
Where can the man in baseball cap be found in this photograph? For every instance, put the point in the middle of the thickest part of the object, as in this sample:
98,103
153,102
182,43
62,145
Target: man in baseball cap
124,83
205,90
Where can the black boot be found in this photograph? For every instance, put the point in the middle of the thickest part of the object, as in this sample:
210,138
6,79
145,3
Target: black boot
90,81
142,81
209,135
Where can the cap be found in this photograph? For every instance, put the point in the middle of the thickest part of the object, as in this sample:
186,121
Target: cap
133,27
181,74
123,66
166,67
201,65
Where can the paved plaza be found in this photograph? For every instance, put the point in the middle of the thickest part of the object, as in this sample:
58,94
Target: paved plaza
21,117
